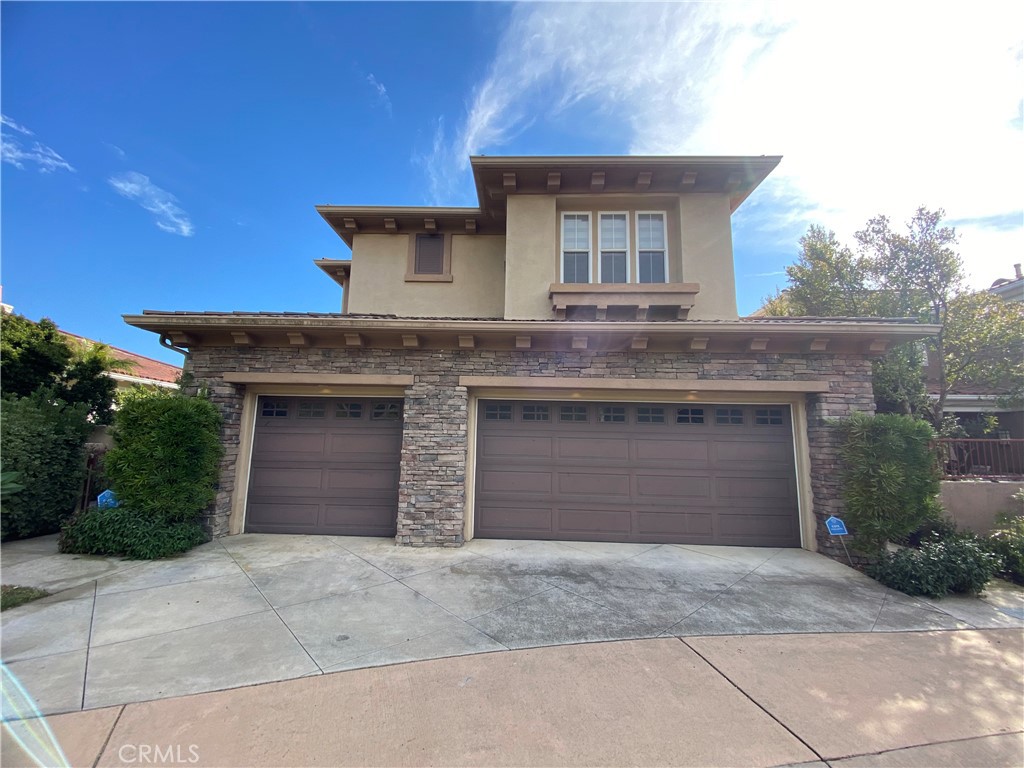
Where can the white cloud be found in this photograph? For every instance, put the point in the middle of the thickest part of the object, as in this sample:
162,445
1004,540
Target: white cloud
161,203
14,151
382,92
5,120
876,107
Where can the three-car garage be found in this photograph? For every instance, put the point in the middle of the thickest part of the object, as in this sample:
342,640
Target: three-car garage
684,472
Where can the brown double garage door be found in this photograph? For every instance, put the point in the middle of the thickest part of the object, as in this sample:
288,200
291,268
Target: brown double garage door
682,473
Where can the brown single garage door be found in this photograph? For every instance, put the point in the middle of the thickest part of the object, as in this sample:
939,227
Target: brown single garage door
325,465
648,472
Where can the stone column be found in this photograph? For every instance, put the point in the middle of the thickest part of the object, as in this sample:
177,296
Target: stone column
432,484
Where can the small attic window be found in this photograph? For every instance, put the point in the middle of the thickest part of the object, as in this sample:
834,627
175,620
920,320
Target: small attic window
429,258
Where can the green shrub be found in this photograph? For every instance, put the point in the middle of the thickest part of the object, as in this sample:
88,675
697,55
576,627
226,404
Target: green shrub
958,564
43,442
126,533
1007,542
163,469
940,527
889,476
165,460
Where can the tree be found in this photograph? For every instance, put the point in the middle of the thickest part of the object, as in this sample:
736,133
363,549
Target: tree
37,356
917,273
31,355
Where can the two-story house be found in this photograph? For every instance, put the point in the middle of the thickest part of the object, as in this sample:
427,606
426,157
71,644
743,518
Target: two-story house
564,361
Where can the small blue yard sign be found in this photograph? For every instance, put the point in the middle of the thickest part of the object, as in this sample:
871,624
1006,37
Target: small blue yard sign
836,527
106,499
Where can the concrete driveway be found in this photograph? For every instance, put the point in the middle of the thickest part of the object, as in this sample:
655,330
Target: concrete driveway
258,608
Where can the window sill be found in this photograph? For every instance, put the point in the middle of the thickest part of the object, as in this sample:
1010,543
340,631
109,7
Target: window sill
634,296
411,277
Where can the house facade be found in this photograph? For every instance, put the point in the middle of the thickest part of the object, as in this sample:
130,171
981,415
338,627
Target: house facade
563,361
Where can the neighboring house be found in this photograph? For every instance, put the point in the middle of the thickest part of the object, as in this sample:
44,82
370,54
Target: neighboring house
564,361
971,403
140,371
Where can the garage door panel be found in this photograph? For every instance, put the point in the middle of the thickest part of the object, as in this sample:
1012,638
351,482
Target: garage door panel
759,488
593,448
747,450
593,484
510,445
292,444
511,519
587,522
671,486
277,480
352,480
694,451
692,522
328,474
282,513
505,481
702,474
379,447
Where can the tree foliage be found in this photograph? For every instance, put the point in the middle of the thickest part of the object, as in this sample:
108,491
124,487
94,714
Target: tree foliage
915,273
37,357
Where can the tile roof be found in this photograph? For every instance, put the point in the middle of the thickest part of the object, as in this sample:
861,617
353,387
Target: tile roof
366,316
142,368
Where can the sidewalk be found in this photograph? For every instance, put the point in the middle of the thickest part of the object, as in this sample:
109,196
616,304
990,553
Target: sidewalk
895,699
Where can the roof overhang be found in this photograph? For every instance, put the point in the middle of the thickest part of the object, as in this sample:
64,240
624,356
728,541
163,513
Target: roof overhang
739,336
339,270
498,177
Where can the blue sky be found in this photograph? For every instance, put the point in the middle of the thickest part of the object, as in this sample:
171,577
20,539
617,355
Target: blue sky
169,156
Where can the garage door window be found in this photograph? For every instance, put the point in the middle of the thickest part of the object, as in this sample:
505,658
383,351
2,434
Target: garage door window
349,411
729,417
498,412
650,415
533,412
386,411
768,417
275,408
611,414
311,409
689,416
573,413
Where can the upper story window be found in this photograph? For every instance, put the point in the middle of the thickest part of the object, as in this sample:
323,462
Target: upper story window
430,258
575,247
652,256
613,243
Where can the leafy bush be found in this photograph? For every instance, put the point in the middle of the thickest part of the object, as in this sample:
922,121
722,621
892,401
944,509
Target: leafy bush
1007,542
42,441
958,564
126,533
941,527
166,455
890,477
163,469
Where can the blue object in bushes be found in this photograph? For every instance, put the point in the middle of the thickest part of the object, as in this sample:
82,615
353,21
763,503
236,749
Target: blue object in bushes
107,499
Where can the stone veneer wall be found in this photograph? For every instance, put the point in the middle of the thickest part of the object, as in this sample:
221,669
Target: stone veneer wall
435,440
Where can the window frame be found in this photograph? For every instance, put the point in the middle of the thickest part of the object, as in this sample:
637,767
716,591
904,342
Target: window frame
601,249
445,276
664,239
590,246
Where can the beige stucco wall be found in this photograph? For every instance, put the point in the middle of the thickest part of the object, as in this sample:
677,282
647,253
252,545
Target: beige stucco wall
973,505
706,225
378,283
530,256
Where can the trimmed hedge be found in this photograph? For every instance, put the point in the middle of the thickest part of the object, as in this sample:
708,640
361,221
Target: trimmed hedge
43,442
163,469
960,563
890,477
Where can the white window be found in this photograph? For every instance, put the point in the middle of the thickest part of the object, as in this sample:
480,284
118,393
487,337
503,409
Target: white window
613,245
652,256
575,247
